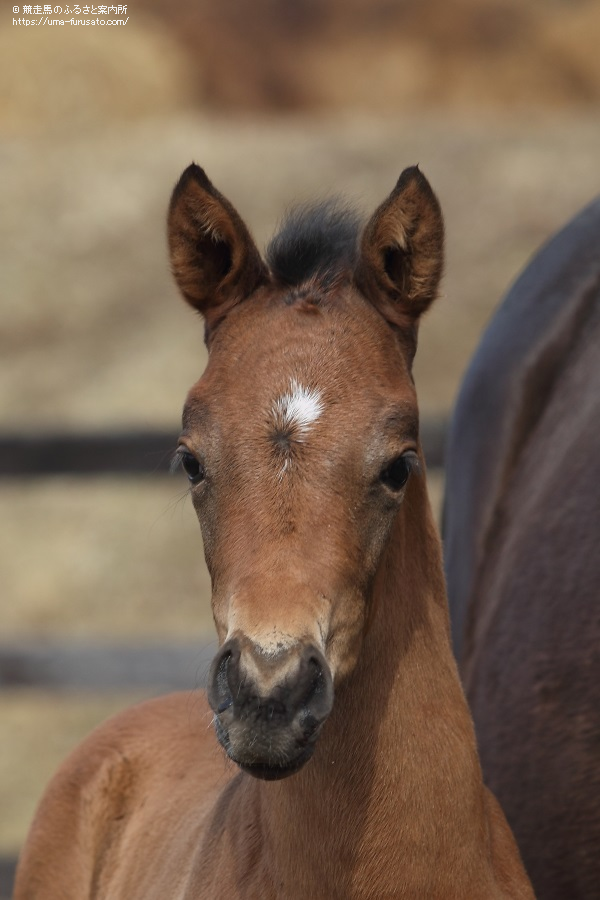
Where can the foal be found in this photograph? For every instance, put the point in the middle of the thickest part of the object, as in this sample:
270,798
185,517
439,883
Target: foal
334,684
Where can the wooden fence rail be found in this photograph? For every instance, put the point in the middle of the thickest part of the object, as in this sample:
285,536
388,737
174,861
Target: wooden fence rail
84,665
7,876
86,453
131,452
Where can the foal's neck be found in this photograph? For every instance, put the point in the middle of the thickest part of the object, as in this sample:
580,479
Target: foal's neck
395,777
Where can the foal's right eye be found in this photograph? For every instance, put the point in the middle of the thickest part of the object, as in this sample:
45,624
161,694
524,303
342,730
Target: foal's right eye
192,467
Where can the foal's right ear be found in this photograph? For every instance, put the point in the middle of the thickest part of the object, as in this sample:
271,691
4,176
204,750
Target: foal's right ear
214,260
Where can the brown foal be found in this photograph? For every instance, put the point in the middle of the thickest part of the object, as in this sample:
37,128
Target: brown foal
334,690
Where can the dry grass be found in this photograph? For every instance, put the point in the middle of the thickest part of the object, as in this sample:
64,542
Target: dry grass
103,558
377,55
59,80
362,55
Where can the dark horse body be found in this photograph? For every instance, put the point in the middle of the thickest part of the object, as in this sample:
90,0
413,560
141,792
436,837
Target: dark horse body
522,519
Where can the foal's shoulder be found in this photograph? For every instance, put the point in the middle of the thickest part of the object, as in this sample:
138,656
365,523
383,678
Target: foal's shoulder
135,759
171,725
159,736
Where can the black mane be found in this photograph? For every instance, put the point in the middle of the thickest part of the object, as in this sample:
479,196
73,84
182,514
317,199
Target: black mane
314,240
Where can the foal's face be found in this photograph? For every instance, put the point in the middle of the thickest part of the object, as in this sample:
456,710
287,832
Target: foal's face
299,442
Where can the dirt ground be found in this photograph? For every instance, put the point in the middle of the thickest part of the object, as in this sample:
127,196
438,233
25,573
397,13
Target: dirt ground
94,335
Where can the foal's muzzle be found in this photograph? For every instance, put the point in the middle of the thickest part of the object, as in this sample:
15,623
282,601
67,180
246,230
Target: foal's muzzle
269,709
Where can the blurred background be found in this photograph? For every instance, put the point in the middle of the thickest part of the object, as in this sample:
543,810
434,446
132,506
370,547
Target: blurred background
279,100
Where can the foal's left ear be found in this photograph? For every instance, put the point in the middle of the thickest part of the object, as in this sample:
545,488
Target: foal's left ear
214,260
402,251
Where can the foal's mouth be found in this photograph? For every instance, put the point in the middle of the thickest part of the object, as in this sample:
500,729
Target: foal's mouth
267,772
275,765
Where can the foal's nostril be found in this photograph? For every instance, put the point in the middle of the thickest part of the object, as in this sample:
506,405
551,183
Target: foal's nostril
222,674
318,699
222,684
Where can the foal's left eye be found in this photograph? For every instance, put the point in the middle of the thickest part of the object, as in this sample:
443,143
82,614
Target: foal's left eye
396,474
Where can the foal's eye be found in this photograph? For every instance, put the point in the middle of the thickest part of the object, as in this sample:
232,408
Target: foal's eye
396,474
191,466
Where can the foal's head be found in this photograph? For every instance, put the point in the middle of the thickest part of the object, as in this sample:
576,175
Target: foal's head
299,441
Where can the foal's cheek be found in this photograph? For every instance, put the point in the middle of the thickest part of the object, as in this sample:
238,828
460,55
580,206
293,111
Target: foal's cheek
208,543
377,526
348,616
208,529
